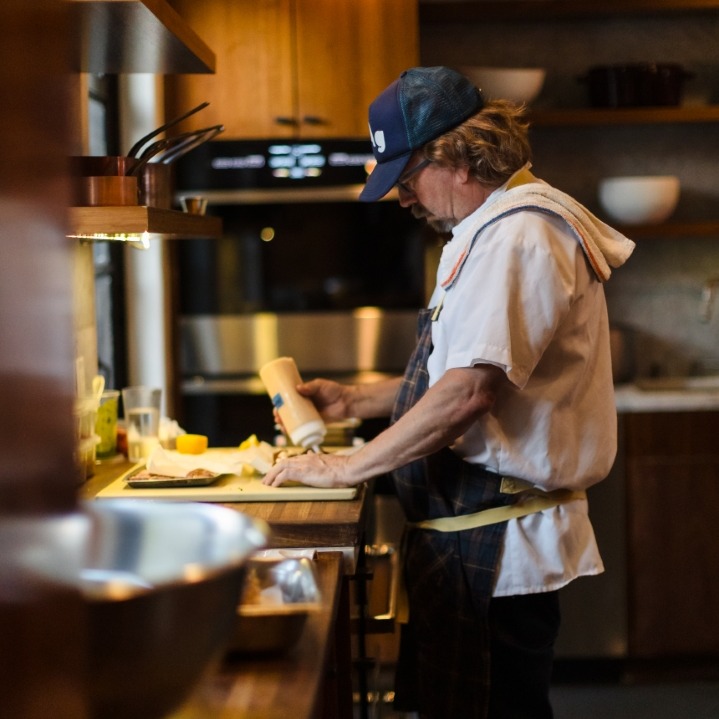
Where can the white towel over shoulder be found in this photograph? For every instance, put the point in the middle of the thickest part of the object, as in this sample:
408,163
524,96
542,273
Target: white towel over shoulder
603,246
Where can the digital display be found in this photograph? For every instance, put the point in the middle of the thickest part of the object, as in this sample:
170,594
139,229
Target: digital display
231,164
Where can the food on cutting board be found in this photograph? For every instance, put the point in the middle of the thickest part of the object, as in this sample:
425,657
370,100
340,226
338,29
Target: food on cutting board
192,474
191,443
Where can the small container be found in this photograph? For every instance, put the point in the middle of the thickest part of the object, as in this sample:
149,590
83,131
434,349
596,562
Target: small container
194,205
299,416
277,598
85,456
106,424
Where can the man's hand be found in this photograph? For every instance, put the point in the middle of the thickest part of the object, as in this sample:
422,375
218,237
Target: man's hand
312,469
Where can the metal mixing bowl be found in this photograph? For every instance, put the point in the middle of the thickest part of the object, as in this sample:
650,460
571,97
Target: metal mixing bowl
162,583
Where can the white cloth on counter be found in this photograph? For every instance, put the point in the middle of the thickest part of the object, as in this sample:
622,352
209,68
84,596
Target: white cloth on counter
171,463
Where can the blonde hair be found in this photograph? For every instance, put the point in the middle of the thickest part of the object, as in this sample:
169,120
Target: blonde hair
494,143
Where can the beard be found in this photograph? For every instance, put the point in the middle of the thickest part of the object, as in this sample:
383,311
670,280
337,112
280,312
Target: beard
443,225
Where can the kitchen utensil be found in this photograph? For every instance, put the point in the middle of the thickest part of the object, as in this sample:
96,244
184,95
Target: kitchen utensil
98,386
228,488
135,149
175,153
521,85
161,583
645,200
169,143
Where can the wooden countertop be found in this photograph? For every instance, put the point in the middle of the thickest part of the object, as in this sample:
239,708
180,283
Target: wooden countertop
294,524
313,679
301,684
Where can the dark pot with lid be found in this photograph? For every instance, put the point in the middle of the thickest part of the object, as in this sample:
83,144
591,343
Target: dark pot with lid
635,84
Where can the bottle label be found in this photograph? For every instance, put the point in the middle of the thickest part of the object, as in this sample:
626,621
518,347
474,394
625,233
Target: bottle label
277,401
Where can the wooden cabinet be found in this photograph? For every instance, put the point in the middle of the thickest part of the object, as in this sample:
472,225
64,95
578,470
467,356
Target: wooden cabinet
295,68
672,480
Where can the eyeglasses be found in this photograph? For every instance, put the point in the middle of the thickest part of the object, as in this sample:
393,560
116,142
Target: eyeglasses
402,182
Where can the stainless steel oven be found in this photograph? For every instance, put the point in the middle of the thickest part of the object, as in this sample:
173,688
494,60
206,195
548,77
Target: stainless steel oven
302,269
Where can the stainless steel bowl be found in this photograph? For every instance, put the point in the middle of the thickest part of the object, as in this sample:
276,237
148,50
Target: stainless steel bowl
162,583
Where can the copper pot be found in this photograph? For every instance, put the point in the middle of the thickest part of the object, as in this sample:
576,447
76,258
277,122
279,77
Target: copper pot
106,190
96,165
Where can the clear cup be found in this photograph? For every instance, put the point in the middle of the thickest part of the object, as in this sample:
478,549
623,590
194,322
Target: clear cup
142,420
106,424
299,416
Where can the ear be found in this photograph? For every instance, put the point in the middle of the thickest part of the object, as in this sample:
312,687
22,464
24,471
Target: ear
462,174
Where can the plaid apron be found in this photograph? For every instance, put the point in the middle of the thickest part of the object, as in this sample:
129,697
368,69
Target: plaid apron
443,669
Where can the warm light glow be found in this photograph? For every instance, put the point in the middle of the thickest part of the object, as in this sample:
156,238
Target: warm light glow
140,240
267,234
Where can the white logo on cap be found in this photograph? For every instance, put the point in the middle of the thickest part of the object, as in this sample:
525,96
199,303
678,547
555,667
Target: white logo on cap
378,140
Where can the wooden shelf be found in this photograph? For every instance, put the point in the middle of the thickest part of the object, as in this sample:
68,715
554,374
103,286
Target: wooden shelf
136,219
705,228
532,10
132,36
565,117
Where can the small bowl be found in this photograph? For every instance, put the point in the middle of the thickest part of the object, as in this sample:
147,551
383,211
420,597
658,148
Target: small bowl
521,85
277,599
646,200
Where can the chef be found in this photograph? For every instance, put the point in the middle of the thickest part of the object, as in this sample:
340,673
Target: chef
505,414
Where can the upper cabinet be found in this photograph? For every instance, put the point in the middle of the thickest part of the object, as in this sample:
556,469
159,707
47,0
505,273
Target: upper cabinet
295,68
469,11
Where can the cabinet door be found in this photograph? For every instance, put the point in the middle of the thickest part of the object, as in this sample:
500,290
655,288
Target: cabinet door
252,92
294,68
347,53
673,553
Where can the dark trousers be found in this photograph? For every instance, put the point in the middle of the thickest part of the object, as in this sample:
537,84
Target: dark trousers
523,629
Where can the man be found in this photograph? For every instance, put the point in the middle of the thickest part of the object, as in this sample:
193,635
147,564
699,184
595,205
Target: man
505,414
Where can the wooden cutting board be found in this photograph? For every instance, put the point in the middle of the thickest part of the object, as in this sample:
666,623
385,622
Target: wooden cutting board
228,488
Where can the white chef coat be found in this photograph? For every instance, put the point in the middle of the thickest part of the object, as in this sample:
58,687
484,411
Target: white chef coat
527,301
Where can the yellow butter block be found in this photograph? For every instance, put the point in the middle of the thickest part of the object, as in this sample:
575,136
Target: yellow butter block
191,443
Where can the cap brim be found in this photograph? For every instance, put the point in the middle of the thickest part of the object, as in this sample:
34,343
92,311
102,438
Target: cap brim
383,178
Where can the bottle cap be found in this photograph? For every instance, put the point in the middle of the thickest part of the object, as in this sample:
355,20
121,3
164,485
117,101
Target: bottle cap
309,434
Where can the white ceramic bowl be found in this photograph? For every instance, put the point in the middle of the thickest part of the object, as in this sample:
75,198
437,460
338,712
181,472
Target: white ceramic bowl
646,200
518,84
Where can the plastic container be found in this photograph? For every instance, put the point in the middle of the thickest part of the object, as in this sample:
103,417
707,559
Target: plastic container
298,415
106,424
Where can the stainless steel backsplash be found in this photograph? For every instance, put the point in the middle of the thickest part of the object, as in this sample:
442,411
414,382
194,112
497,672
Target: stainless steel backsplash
366,339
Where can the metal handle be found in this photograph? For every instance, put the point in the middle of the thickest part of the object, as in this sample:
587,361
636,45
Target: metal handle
313,120
286,121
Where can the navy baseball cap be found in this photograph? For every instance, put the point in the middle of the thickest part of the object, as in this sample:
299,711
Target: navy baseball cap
422,104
